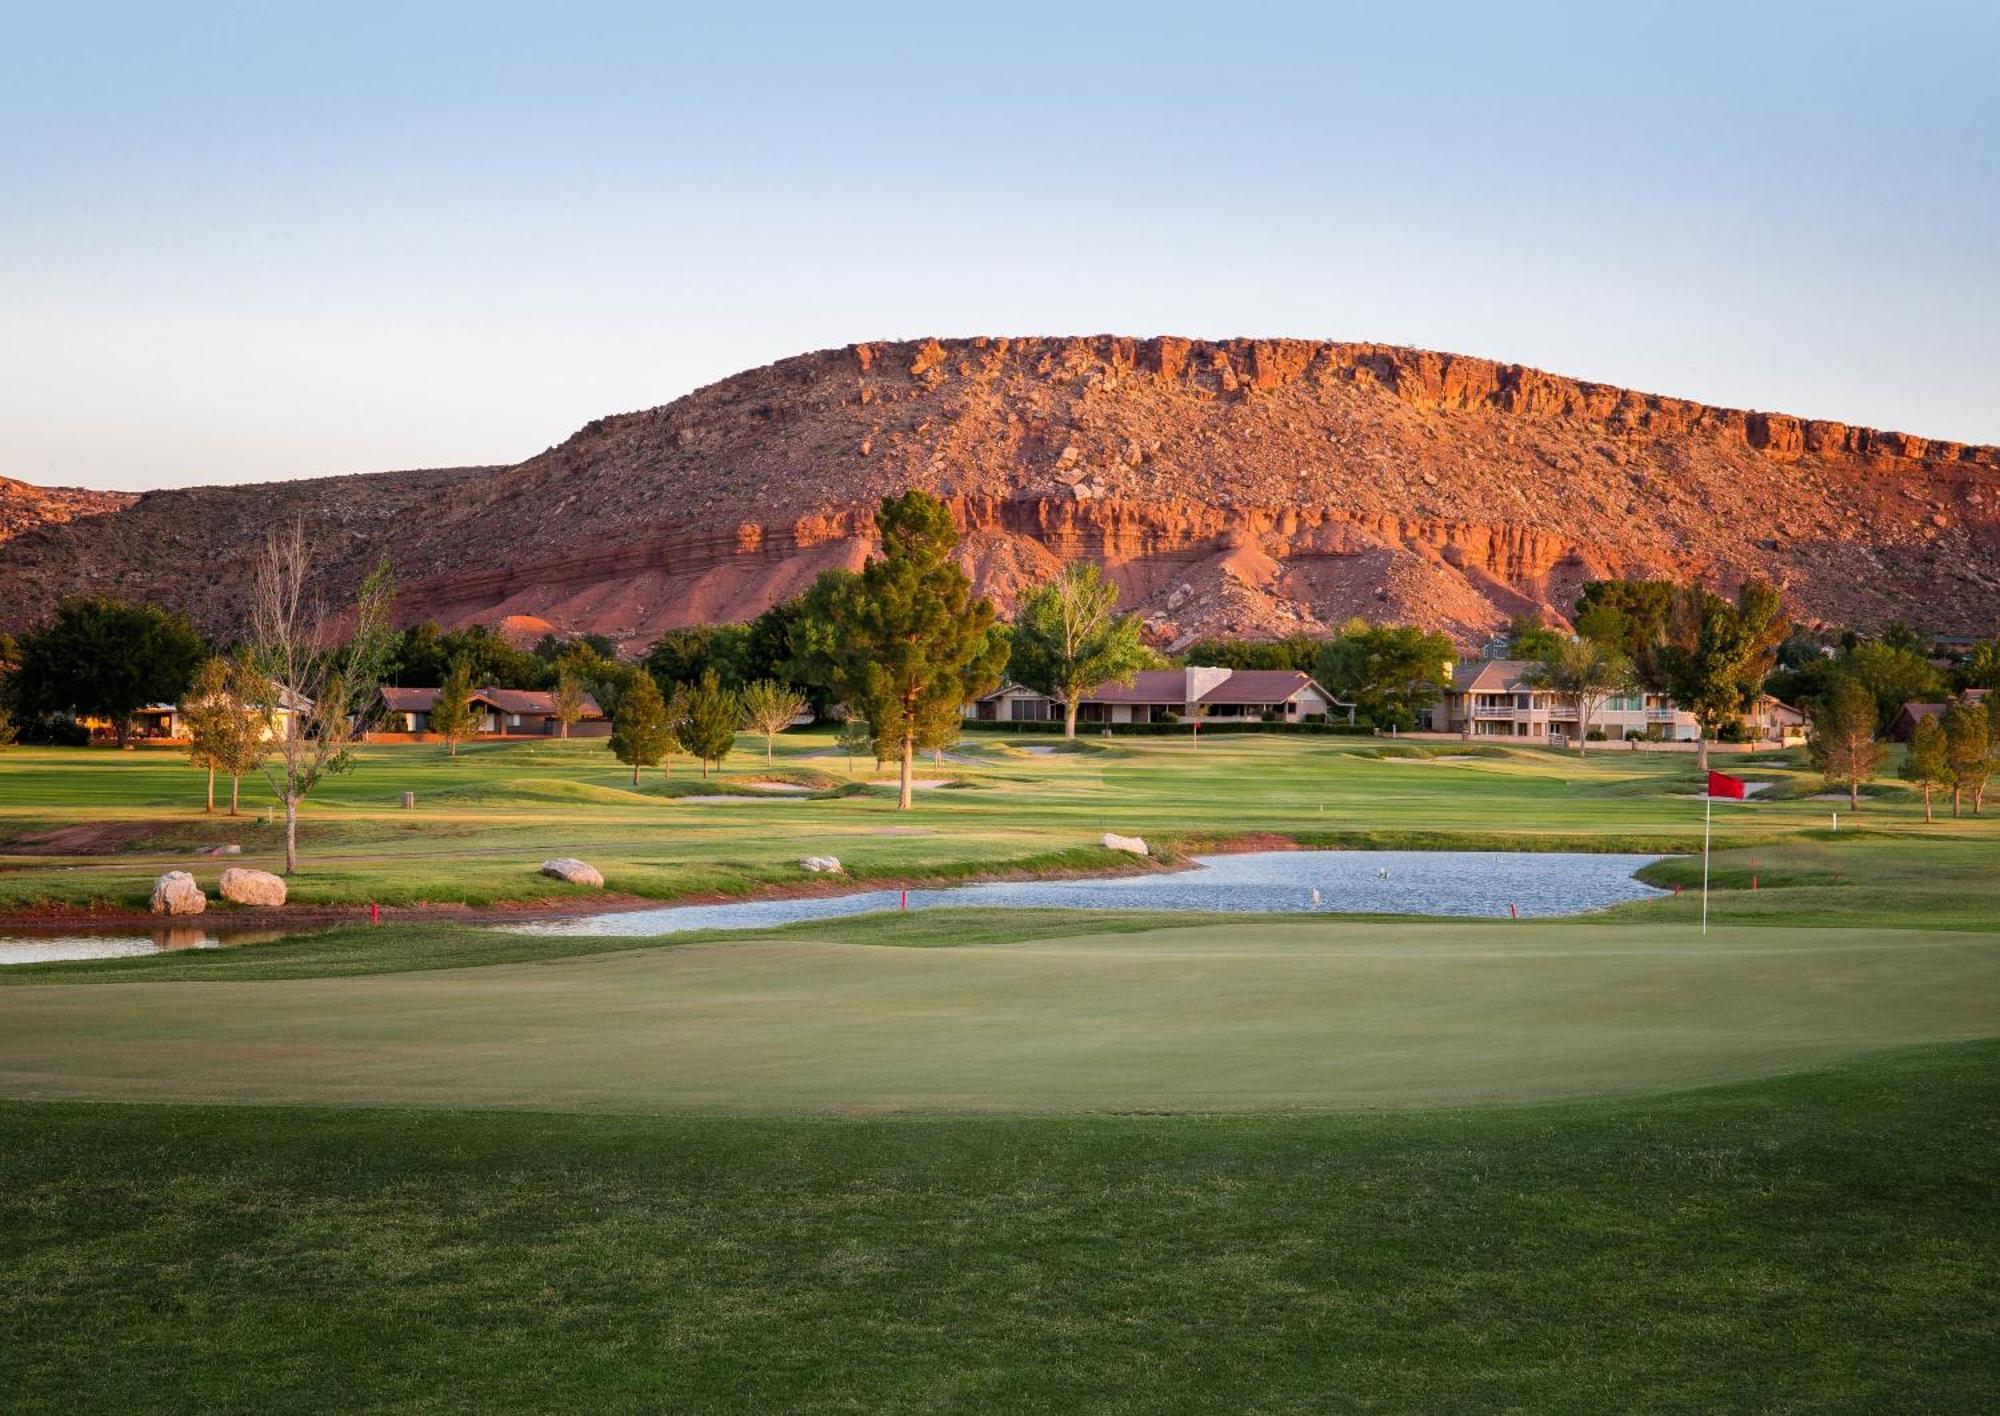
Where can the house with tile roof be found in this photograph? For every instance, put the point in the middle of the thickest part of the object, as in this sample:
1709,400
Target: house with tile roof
1171,695
1910,714
504,712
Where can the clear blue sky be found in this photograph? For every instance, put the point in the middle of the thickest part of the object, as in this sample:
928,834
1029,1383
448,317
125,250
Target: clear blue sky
241,242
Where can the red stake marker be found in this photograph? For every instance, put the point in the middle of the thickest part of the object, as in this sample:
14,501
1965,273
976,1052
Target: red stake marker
374,913
902,899
1513,911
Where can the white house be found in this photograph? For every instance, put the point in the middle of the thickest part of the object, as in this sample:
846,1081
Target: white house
1166,695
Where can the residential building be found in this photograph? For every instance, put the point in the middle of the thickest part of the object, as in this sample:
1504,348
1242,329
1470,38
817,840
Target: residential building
1910,714
1488,698
1169,695
503,712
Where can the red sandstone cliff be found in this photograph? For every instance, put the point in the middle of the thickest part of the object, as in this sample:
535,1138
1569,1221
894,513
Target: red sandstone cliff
1247,486
23,508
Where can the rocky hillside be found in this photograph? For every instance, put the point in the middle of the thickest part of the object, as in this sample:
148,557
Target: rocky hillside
23,508
1245,486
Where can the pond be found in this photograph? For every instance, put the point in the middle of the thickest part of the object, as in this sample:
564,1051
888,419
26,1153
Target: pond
1462,883
41,946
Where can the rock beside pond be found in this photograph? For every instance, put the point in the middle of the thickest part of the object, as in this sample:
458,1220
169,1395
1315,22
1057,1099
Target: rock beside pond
252,887
574,871
822,865
175,893
1131,845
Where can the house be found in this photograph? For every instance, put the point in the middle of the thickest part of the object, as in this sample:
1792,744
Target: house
1910,714
167,722
1169,695
1488,698
503,712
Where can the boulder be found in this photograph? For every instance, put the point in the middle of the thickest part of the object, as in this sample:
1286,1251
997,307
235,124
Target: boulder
228,850
252,887
576,872
1131,845
822,865
175,893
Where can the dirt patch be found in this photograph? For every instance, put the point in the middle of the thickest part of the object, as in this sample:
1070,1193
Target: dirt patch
86,838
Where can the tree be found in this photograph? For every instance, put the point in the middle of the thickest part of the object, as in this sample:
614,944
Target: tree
768,708
677,714
1582,673
228,730
568,696
1067,639
107,659
1844,748
1927,765
708,731
1391,672
684,655
1894,674
640,732
1297,651
454,715
1968,753
911,641
1631,617
855,734
326,691
1529,636
1719,653
1981,666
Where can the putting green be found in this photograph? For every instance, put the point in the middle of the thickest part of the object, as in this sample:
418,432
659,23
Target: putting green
1248,1016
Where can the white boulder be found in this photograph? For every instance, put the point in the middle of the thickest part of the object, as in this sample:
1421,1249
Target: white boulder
252,887
574,871
822,865
1131,845
175,893
228,850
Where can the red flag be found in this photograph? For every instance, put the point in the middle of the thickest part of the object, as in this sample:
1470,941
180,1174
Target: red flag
1722,785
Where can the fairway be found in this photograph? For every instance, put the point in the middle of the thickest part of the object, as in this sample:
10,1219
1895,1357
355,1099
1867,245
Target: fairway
1245,1016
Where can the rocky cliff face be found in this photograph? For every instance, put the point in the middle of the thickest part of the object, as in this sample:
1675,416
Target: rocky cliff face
23,508
1245,486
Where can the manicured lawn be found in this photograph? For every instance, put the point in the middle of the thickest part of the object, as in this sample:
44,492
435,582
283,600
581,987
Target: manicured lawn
1249,1015
1821,1242
485,820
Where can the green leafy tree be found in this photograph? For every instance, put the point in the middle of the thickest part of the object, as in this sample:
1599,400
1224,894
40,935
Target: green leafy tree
1981,666
768,709
1927,766
684,655
1844,747
1391,672
640,732
708,731
1718,654
7,730
1968,753
1629,617
1582,673
1894,674
567,698
811,638
229,731
855,736
104,658
676,699
1298,651
912,643
1068,638
1530,636
454,715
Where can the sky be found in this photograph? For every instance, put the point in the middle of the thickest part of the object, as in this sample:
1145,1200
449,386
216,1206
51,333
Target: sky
251,242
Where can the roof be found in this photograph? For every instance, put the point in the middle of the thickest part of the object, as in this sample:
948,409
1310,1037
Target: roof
1260,686
1147,686
506,700
1488,675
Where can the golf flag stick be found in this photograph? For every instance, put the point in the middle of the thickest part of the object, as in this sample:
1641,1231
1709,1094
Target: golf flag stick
1720,784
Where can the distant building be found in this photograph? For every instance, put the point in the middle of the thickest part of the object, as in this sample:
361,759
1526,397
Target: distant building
1488,698
1910,714
1168,695
504,712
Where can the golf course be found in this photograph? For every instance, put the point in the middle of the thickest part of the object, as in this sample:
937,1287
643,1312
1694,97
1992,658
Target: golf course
1019,1159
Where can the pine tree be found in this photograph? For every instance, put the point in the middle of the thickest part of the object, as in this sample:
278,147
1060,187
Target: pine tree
640,732
768,709
454,716
1968,753
1927,766
1067,640
709,730
1844,749
911,642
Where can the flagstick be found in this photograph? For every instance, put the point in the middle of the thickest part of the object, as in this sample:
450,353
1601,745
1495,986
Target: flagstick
1707,822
